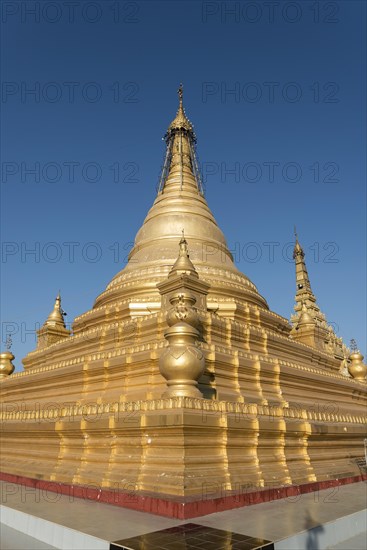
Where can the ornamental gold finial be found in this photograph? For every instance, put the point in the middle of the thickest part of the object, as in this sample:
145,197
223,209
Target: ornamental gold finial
6,365
182,361
180,93
180,155
305,318
183,264
356,367
180,122
298,250
57,315
183,251
54,328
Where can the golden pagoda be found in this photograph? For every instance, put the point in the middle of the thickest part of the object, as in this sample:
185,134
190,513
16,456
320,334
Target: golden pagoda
180,392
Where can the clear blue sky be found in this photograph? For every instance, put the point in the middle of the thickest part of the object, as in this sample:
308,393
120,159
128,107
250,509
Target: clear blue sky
105,81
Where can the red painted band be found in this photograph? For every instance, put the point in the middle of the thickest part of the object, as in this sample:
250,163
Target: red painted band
178,508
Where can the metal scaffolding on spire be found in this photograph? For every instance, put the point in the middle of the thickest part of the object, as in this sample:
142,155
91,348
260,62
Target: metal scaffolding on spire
181,132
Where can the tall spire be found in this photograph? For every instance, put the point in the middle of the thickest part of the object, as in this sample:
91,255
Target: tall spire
181,166
304,290
304,295
319,333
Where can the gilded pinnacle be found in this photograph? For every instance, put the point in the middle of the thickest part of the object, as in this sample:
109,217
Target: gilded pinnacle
298,250
305,318
183,264
318,334
180,93
56,316
180,122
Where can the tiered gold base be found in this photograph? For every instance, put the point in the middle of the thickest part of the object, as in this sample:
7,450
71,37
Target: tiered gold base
181,447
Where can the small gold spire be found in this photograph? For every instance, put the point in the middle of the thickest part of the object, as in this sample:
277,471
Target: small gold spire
53,329
305,318
56,316
183,264
298,250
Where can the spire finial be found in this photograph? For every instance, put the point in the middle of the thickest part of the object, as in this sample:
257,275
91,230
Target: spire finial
298,250
180,153
56,316
180,94
353,345
184,251
180,122
183,264
8,342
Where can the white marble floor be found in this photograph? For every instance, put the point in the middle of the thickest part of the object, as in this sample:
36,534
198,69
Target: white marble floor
359,542
275,520
15,540
279,519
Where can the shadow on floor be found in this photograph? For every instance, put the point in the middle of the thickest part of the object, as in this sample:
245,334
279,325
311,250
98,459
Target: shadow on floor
314,529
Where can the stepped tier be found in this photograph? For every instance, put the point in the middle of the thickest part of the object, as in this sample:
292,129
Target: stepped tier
275,405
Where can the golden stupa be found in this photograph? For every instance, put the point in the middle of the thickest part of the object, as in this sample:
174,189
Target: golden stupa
180,392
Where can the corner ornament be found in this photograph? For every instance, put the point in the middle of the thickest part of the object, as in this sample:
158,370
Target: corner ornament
182,362
6,358
356,367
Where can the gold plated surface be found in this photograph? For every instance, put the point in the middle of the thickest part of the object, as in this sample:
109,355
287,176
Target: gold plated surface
6,365
180,379
309,323
180,205
53,329
357,368
182,362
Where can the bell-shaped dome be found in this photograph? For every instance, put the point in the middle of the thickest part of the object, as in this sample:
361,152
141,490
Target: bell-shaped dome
179,206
